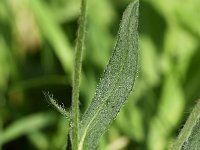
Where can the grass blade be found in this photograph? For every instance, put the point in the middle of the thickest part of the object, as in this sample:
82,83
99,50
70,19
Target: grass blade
116,83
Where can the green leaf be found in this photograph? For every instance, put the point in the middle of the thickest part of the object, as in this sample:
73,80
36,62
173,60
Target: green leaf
49,97
189,138
116,83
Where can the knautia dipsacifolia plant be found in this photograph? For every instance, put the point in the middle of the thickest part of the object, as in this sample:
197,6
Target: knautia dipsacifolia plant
114,88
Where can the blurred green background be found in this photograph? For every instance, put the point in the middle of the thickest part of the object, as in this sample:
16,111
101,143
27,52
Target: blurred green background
37,39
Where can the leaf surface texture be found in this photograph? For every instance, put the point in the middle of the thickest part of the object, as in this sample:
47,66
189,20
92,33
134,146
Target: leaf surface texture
116,84
189,138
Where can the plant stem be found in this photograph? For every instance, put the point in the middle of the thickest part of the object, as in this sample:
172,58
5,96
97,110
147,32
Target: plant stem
76,76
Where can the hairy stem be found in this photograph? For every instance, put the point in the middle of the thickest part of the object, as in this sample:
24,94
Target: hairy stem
76,75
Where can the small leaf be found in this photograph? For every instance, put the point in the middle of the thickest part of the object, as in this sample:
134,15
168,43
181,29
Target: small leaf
116,83
49,97
189,138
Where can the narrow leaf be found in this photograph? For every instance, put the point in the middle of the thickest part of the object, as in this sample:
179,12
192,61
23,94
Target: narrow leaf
60,108
116,83
189,138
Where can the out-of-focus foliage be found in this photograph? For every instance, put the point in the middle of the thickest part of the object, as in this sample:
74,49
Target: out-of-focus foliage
36,53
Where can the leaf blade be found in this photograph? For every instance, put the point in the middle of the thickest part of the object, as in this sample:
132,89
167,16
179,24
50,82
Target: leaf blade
189,137
116,84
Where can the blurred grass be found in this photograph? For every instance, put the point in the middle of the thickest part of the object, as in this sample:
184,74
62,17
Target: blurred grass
36,54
